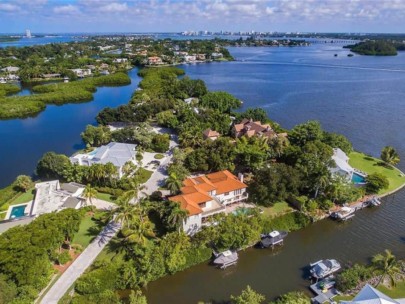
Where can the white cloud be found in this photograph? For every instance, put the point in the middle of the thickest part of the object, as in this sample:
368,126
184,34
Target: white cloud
66,9
8,7
114,8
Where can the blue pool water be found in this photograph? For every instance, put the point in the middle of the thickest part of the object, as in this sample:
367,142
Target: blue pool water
358,179
17,211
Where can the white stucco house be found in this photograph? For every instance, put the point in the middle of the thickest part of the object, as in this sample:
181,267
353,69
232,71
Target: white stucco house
342,166
206,195
82,72
370,295
116,153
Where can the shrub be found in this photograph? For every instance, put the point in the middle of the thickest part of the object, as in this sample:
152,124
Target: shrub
376,182
159,156
351,277
63,258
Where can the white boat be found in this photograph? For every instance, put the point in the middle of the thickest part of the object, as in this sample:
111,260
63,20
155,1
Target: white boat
375,202
324,268
343,214
225,259
273,238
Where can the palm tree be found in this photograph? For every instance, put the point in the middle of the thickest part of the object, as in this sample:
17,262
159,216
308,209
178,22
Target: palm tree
110,171
126,213
387,266
390,155
173,183
89,193
323,181
140,229
177,216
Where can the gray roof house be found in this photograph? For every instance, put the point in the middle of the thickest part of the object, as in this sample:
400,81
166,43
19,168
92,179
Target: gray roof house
370,295
53,196
342,164
116,153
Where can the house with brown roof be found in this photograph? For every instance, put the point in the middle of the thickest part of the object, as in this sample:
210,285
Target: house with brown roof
154,60
211,134
251,128
206,195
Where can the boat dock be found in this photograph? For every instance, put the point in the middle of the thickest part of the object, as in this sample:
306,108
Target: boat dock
325,294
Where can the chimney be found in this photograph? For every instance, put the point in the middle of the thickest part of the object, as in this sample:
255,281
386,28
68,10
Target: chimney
240,177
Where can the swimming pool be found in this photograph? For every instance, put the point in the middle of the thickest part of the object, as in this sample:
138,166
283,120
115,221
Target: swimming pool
17,211
358,179
242,211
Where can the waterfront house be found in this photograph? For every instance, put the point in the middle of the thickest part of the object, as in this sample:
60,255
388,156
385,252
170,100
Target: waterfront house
342,166
200,57
211,134
53,75
155,60
11,69
249,128
116,153
206,195
217,55
370,295
53,196
190,58
81,72
120,60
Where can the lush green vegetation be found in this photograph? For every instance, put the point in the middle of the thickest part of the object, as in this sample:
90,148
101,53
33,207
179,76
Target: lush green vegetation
7,89
27,253
372,165
89,228
249,296
374,48
20,191
60,93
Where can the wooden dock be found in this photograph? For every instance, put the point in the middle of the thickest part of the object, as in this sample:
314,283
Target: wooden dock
323,296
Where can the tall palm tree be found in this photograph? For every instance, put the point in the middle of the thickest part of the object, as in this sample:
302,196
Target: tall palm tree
322,183
390,155
177,216
140,229
387,266
173,183
89,193
110,171
126,213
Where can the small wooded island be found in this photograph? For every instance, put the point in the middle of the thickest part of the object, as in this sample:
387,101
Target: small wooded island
376,48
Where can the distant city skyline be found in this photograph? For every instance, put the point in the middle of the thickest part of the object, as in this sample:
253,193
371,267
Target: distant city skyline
92,16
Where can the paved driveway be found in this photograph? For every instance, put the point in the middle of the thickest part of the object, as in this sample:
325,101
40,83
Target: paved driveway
84,260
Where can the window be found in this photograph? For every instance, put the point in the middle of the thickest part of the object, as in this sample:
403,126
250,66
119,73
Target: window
237,192
226,193
202,205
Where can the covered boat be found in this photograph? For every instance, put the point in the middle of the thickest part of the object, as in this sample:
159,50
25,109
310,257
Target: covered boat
324,268
273,238
225,259
343,214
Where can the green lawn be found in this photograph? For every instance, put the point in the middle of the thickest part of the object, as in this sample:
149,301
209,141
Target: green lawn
89,229
14,198
24,197
395,292
371,165
144,175
277,209
106,197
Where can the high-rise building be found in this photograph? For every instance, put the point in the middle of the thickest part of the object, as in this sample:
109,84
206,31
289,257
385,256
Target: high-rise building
28,33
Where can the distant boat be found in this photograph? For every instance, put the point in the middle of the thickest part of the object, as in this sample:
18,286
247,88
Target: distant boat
324,268
374,201
273,238
350,55
336,55
343,214
225,259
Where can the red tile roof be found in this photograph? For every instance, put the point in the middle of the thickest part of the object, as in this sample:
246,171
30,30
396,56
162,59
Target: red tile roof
196,190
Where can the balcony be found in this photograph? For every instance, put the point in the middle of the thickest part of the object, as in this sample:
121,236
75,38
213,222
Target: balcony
237,198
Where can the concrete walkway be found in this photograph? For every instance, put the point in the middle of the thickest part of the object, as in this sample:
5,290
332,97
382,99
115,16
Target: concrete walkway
84,260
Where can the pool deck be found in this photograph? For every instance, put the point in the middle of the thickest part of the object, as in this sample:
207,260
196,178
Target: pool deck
26,211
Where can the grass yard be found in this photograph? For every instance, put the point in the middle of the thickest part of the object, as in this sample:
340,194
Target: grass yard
9,197
89,229
277,209
159,156
371,165
106,197
394,293
24,197
144,175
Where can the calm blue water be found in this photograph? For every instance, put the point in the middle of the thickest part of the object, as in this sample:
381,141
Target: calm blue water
358,179
361,97
58,128
17,211
41,40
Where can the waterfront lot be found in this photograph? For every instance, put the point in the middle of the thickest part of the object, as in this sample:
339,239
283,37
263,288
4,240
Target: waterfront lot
371,165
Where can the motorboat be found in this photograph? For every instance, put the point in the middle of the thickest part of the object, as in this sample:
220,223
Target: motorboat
324,268
273,238
225,258
343,214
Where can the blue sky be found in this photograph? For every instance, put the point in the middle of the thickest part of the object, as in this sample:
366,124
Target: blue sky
53,16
